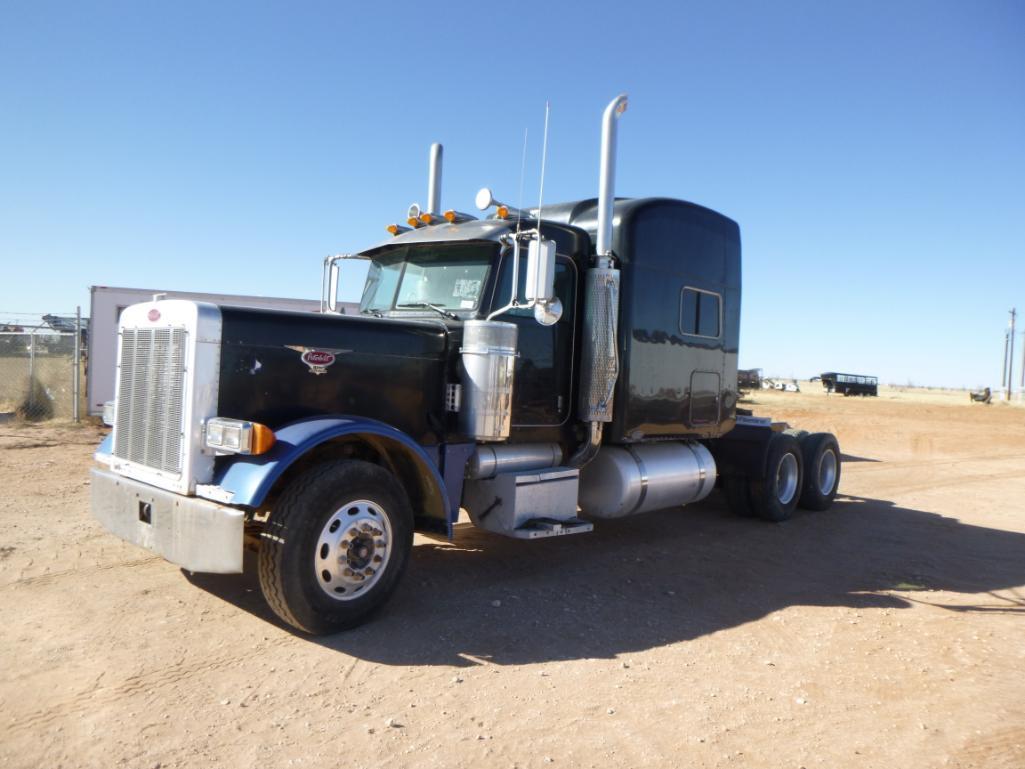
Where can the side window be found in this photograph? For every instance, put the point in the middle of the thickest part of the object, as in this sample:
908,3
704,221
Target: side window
700,313
564,287
379,289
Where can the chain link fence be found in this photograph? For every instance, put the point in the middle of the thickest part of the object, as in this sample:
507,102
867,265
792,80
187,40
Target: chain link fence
42,368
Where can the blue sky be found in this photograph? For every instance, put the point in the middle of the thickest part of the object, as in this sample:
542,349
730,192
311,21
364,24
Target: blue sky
872,152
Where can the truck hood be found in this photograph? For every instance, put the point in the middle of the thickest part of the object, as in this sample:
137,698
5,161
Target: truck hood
277,367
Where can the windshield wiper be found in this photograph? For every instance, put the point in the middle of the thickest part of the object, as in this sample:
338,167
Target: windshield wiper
440,310
375,313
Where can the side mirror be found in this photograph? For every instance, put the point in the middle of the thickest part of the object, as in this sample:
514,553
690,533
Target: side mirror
331,282
540,271
332,287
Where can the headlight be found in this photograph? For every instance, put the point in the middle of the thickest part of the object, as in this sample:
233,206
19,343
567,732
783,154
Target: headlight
235,436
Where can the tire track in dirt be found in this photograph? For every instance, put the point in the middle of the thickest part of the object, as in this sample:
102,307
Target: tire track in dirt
882,484
159,678
898,487
53,576
1001,749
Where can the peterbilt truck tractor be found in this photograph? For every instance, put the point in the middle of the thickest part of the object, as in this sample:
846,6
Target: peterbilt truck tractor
543,370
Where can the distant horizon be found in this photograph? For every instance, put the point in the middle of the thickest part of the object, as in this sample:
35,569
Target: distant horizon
28,320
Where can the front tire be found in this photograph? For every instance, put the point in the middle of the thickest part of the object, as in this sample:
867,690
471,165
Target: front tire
335,546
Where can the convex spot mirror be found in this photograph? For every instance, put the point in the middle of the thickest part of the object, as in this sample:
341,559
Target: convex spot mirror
548,313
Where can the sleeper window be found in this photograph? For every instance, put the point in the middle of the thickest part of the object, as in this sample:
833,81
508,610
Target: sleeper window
700,312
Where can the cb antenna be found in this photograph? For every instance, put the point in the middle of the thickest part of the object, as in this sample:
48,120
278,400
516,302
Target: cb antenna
544,157
523,169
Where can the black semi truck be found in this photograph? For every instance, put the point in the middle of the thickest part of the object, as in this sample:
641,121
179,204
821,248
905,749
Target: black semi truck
541,370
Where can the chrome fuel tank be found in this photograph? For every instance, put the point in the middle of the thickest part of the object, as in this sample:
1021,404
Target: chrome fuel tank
624,480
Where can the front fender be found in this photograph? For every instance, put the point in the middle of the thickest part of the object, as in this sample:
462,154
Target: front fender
249,479
105,449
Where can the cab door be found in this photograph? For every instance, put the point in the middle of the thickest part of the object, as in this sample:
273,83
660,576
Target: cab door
544,368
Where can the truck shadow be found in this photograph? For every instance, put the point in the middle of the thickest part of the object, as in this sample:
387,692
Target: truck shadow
850,458
660,578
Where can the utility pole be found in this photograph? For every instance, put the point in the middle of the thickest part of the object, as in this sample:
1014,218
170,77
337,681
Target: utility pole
1010,356
32,373
1003,371
77,363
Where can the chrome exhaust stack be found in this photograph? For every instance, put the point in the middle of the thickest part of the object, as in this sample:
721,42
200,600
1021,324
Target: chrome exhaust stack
607,177
600,357
434,180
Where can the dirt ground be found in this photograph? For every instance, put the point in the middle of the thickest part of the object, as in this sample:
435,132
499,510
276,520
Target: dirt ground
887,632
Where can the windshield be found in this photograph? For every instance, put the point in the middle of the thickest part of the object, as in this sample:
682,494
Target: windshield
447,276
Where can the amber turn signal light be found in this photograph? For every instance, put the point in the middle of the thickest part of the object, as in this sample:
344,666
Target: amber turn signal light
263,439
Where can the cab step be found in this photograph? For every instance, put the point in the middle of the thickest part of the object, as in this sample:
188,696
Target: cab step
536,528
528,504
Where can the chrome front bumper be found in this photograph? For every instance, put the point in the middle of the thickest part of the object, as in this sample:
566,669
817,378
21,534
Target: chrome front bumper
196,534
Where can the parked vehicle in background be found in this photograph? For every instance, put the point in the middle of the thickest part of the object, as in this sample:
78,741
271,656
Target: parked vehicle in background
790,386
985,395
850,384
749,379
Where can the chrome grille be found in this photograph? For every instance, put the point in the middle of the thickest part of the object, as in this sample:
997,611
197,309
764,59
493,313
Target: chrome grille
151,397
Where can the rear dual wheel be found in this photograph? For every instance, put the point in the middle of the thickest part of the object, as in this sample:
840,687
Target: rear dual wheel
775,496
802,469
821,453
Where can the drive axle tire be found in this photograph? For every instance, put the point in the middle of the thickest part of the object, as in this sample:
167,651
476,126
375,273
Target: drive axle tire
335,546
738,497
775,497
821,471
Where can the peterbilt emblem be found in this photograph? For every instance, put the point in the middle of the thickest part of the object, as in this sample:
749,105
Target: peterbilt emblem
153,315
318,359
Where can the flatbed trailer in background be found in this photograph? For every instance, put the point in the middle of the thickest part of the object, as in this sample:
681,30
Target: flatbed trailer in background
850,384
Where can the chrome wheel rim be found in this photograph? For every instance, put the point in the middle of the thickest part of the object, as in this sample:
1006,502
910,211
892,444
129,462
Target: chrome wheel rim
353,550
827,472
786,479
